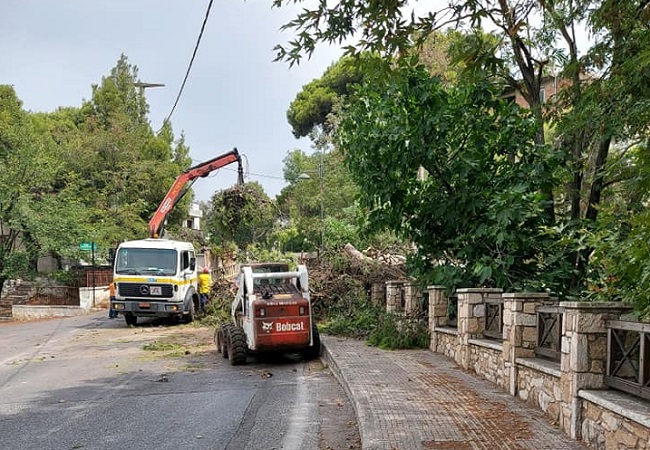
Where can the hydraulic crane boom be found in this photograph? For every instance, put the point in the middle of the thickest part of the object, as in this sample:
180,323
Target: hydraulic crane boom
185,180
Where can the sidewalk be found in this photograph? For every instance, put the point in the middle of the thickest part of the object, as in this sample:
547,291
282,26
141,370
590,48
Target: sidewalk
416,399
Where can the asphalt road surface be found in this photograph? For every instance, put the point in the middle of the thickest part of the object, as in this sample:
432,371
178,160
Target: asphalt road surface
90,382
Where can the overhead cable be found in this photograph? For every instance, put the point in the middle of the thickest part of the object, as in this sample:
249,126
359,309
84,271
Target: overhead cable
189,67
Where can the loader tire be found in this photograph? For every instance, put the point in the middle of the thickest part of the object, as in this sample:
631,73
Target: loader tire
237,350
221,339
313,351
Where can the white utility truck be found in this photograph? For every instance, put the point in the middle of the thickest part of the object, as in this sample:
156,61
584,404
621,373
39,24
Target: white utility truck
158,277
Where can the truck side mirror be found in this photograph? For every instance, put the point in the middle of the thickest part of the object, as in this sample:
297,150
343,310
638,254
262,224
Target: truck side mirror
192,264
111,256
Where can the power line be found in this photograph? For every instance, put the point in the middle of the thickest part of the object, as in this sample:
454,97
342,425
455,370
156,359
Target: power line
189,67
248,173
259,175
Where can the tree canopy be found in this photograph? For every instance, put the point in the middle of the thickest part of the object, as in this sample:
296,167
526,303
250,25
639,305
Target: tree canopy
243,215
577,159
94,173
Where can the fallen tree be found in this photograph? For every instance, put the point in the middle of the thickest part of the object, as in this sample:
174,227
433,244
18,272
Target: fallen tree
341,280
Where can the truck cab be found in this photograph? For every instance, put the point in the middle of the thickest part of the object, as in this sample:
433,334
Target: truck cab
155,278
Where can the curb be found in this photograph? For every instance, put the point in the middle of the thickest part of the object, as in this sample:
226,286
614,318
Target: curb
361,410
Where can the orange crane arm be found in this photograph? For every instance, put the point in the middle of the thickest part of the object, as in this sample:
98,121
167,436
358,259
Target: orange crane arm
181,186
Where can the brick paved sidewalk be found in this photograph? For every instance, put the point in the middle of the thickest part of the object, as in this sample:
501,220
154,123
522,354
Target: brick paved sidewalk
416,399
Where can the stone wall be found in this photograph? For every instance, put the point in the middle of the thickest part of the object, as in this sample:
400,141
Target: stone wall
394,296
538,384
569,388
446,343
486,360
24,300
31,312
378,294
604,428
412,299
13,292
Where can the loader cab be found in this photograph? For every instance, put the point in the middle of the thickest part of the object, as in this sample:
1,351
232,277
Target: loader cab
260,283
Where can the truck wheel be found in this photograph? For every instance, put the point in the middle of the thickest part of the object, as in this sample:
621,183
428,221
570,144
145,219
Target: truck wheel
237,346
313,351
189,317
130,319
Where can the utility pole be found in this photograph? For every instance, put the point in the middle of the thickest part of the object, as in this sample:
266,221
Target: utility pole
322,217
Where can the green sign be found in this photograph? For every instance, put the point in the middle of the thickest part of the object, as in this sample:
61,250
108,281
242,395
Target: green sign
88,246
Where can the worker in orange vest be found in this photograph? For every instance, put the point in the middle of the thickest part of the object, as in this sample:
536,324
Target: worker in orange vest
112,314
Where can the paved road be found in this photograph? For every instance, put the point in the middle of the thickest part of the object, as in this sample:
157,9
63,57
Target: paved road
86,383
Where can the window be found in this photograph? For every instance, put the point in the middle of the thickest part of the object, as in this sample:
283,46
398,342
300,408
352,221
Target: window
185,260
542,96
139,261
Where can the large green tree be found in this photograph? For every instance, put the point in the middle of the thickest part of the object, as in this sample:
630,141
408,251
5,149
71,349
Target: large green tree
94,173
475,217
319,202
317,99
119,166
605,102
37,213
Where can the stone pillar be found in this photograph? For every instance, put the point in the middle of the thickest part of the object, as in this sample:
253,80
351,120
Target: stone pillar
519,331
378,294
437,313
584,354
412,296
394,296
471,318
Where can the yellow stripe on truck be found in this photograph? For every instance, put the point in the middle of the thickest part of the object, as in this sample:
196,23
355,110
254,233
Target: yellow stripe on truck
154,280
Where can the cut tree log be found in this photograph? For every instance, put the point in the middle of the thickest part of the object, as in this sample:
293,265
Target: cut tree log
355,254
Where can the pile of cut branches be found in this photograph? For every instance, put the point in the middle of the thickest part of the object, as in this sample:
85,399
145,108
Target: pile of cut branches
223,293
340,281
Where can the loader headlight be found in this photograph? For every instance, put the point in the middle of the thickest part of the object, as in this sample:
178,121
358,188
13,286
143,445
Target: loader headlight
261,312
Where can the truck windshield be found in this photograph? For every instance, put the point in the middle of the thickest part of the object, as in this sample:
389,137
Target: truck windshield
149,261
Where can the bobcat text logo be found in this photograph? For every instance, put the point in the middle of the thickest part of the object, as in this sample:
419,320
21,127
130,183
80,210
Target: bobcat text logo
290,326
267,326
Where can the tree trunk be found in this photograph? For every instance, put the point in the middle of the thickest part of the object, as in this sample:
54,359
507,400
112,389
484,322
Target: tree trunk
598,182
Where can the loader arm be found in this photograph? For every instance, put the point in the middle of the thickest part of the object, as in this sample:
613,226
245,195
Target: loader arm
183,183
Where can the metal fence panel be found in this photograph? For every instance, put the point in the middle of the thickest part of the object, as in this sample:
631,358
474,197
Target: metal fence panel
628,357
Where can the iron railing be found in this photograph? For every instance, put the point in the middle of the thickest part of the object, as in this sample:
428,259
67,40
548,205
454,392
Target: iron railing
230,270
628,357
452,311
493,319
99,277
423,306
549,332
56,296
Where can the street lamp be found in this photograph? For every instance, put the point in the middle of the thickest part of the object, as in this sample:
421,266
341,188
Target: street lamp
305,176
143,85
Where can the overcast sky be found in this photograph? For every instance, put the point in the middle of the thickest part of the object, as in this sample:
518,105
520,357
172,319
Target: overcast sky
236,96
